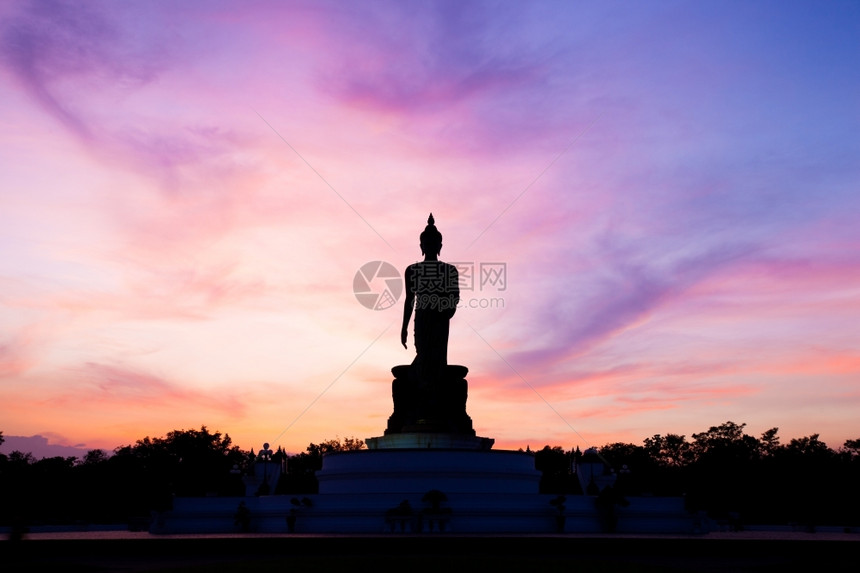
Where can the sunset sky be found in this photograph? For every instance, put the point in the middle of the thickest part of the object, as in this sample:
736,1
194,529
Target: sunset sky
187,190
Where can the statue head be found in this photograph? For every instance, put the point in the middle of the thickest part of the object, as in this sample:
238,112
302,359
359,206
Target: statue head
431,238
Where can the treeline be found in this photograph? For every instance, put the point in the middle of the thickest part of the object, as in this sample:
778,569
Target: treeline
728,474
722,471
126,485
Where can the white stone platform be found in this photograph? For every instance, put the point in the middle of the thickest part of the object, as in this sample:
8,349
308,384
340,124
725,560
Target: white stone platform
417,471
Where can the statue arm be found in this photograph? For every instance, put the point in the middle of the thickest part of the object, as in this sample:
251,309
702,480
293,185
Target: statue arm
408,305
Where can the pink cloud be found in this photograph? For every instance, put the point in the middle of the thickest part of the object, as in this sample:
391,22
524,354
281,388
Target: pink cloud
13,361
116,387
817,361
20,346
662,384
193,293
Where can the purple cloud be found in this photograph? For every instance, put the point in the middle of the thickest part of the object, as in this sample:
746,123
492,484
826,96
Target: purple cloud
630,291
119,386
80,64
54,47
41,447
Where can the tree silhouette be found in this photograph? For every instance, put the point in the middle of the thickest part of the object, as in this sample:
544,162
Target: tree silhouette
185,462
669,451
638,471
769,442
555,466
851,448
94,457
808,446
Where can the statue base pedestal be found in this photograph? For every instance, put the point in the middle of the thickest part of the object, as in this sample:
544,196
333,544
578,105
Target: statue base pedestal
434,406
429,440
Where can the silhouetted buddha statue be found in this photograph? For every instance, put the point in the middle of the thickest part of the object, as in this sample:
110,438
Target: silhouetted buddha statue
430,394
433,291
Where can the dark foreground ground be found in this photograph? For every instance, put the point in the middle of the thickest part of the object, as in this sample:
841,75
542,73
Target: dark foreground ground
441,553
